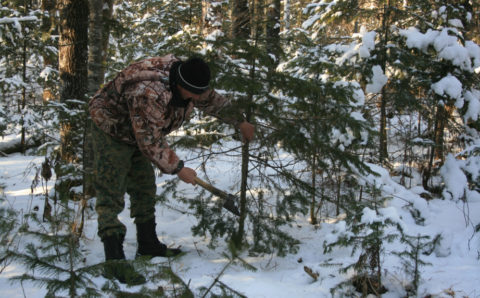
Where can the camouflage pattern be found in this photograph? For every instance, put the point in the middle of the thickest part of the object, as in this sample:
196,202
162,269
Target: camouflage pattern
133,114
134,108
120,168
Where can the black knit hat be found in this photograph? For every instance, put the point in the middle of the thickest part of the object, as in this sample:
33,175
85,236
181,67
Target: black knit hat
194,75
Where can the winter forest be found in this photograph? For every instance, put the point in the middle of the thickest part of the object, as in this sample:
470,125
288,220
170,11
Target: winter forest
363,178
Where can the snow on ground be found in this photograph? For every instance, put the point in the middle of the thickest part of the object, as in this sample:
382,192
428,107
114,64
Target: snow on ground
454,270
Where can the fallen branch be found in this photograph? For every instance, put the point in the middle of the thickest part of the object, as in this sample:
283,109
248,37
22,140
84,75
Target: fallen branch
310,272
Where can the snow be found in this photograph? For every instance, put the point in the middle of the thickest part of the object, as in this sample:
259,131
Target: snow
473,105
379,79
368,42
448,46
454,263
455,179
450,86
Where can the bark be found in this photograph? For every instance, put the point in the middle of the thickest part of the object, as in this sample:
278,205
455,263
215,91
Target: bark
437,151
383,154
313,202
241,30
47,27
273,30
73,53
23,101
443,115
286,14
99,31
241,19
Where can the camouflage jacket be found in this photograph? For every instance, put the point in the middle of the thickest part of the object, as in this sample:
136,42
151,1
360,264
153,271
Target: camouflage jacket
136,108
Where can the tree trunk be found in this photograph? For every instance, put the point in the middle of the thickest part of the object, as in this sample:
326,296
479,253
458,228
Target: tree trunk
443,115
47,27
241,19
437,151
286,14
313,202
73,56
383,154
99,31
241,30
73,53
239,235
21,106
273,31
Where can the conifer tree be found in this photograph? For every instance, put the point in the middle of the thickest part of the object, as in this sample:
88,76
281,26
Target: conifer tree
447,81
412,258
240,68
8,226
366,230
55,261
21,48
415,71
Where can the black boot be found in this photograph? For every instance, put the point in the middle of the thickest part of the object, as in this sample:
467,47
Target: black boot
116,266
148,244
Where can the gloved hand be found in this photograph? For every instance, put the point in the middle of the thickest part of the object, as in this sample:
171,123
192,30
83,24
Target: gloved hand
187,175
247,130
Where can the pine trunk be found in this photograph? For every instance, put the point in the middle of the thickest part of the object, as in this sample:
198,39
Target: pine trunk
273,31
313,202
241,19
73,53
100,14
73,56
241,30
383,100
47,27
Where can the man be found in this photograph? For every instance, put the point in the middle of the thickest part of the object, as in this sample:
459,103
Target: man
132,114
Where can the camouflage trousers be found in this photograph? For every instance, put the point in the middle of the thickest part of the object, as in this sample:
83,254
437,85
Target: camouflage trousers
120,168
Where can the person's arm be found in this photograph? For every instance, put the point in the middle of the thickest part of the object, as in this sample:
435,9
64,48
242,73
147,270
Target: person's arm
147,106
218,106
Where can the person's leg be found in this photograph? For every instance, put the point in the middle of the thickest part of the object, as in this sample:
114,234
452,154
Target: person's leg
112,163
112,160
142,189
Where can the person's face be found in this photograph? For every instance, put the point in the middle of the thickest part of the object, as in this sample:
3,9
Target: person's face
185,94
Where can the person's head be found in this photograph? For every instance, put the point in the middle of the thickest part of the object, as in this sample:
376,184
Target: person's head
193,77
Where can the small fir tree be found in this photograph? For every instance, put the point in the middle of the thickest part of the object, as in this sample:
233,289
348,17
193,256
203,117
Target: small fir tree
412,258
368,228
55,260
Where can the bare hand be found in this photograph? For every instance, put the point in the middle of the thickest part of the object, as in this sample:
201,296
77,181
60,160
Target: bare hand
247,130
187,175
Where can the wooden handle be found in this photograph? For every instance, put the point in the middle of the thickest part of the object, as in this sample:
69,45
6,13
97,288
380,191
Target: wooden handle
211,188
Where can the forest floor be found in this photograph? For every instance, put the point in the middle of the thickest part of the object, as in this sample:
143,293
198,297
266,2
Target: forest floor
453,270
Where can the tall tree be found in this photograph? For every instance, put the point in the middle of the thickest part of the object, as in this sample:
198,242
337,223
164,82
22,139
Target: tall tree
99,32
73,58
48,26
241,30
241,19
273,31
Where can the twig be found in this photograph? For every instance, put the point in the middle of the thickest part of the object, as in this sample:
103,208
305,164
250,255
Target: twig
230,289
217,278
196,248
310,272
